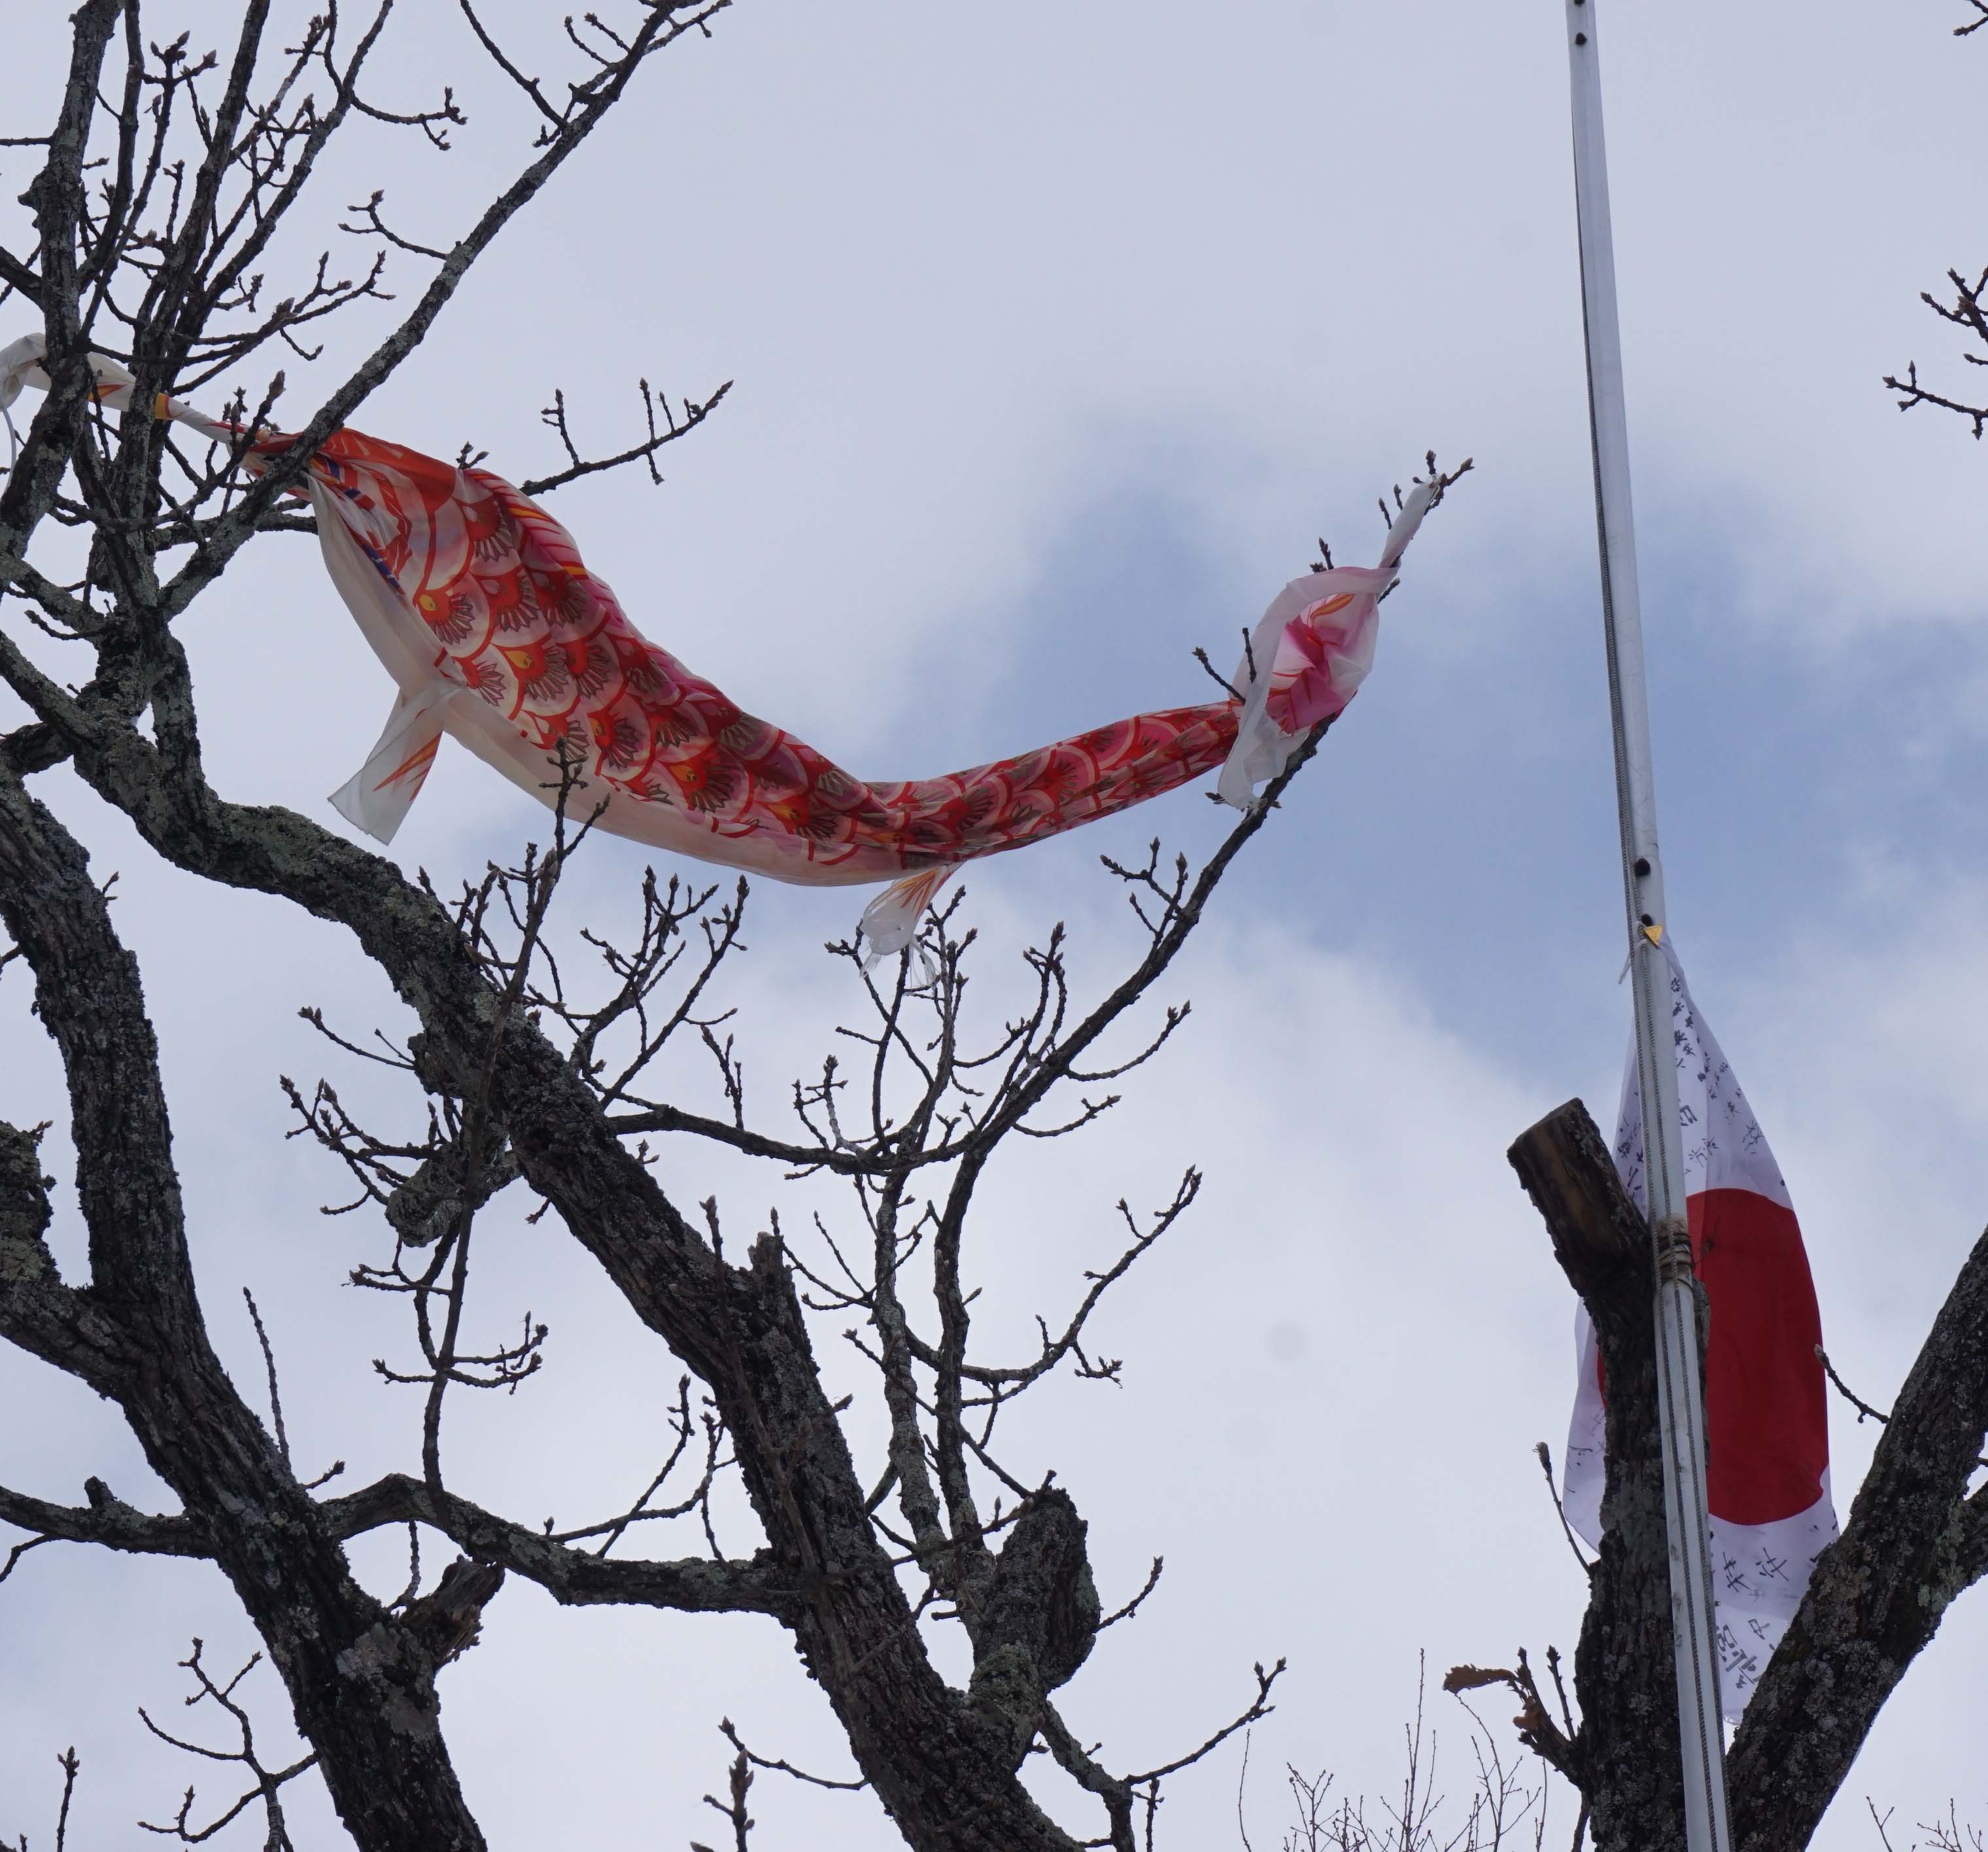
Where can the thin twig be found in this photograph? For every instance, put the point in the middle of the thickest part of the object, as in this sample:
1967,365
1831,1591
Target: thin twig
1544,1455
269,1364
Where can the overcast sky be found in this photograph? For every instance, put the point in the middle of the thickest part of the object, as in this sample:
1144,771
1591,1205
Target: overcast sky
1057,337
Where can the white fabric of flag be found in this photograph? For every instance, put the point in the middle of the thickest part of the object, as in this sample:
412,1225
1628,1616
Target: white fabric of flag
1767,1438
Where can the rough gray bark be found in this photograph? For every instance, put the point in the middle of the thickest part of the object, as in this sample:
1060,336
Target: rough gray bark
1915,1539
1625,1755
362,1684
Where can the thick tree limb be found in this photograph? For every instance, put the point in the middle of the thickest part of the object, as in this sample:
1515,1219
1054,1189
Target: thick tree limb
1038,1619
25,1210
1627,1745
574,1577
1914,1541
363,1688
105,1520
46,1318
17,276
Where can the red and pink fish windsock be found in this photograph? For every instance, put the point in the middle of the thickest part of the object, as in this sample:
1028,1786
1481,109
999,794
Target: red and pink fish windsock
1766,1416
479,604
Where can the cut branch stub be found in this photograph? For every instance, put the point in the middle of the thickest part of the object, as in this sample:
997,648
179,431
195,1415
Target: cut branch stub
449,1619
1626,1749
1039,1618
432,1202
1599,1235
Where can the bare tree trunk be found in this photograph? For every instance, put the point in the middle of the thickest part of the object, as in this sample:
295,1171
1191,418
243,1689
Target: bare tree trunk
1627,1752
362,1685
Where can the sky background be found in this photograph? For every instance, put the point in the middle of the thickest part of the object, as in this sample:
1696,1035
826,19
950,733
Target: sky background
1056,339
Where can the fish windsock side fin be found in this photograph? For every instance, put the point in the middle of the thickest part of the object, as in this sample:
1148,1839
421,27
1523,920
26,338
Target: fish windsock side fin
378,797
890,923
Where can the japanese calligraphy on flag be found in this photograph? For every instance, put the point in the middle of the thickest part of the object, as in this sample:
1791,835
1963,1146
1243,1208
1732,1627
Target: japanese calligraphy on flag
1767,1436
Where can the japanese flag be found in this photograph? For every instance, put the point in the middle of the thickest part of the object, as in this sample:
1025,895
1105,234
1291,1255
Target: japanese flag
1767,1436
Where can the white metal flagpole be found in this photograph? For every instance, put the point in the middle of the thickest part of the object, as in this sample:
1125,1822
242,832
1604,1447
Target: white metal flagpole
1681,1409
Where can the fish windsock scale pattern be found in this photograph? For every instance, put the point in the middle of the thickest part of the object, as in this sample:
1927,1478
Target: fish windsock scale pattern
477,603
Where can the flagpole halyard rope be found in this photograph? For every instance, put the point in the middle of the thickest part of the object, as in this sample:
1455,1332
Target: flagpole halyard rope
1680,1400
